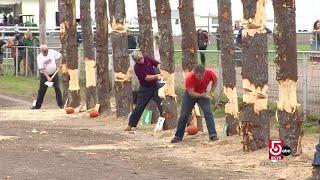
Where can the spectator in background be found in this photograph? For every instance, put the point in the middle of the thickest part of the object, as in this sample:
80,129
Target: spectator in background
31,41
21,50
1,19
12,44
239,36
10,20
2,43
203,40
132,42
315,44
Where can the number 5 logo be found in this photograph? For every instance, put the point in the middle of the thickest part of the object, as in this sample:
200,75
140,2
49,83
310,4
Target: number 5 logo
275,147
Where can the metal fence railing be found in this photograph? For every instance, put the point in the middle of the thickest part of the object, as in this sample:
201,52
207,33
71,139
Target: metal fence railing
308,73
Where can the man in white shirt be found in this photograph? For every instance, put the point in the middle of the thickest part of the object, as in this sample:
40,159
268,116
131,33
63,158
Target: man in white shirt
46,61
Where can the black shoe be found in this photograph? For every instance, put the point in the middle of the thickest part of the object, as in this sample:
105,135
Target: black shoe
175,140
214,138
61,107
35,107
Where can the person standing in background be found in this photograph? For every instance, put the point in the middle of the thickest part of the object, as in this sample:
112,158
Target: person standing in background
315,41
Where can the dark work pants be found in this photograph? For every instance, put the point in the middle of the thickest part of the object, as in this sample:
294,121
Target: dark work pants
43,89
144,96
202,55
187,105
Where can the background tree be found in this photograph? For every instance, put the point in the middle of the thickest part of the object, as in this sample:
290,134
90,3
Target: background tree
102,58
255,124
189,44
287,74
121,61
228,65
146,42
169,105
85,20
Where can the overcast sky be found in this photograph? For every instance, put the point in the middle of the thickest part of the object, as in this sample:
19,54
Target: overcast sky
307,11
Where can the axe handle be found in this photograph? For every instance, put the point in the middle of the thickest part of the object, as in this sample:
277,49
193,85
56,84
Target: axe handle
54,74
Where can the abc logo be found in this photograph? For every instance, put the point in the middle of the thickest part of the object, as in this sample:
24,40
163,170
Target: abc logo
286,150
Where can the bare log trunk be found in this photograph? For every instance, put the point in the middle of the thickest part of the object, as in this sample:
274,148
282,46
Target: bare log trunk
228,65
85,19
146,43
42,21
70,28
169,104
287,74
255,124
102,61
63,40
189,44
121,62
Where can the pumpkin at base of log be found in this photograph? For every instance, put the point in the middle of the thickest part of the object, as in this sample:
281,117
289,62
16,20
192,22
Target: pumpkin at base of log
192,130
69,110
94,113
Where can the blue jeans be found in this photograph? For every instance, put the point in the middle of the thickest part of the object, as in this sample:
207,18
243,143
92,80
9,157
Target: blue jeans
188,103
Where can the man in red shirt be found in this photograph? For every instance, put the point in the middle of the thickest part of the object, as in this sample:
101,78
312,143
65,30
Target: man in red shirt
196,84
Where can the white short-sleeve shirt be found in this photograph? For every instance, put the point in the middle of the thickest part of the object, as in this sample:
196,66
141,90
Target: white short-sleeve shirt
48,62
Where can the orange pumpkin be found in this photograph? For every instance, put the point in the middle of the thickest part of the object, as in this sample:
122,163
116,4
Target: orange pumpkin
94,113
192,130
69,110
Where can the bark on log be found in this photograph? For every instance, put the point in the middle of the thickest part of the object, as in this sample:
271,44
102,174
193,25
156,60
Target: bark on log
228,65
287,74
85,19
102,57
121,62
255,124
169,104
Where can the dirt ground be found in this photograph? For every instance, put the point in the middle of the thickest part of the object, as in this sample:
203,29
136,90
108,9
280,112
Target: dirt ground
49,144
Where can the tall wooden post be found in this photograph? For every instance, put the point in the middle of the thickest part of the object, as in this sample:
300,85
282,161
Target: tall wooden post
169,105
287,74
42,21
255,124
121,61
103,84
228,65
68,29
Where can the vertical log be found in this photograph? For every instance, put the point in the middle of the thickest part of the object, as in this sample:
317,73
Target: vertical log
102,61
169,104
228,65
85,20
121,62
287,74
70,28
146,42
63,40
42,21
255,125
189,44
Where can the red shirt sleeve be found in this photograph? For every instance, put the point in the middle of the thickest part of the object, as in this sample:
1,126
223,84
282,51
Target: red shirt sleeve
190,81
213,76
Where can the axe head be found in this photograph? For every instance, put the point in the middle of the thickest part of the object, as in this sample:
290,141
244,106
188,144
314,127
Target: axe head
49,84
